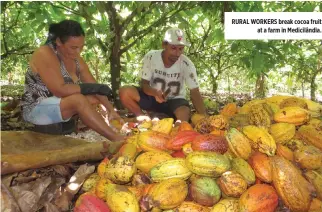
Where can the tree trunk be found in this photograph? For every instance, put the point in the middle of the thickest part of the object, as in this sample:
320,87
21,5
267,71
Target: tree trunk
115,49
214,87
96,69
313,86
228,81
260,86
214,79
302,85
214,82
115,65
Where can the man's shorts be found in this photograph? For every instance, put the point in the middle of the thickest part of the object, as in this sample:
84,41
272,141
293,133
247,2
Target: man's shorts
149,103
46,112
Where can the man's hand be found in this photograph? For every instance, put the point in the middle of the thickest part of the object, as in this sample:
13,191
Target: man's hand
159,97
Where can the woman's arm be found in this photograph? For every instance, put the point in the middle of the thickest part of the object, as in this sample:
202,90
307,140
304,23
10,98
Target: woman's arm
87,77
46,64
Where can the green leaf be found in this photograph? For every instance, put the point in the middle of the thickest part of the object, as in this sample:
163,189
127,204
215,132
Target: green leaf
182,25
92,9
40,27
128,56
246,61
100,7
258,63
34,23
234,48
308,7
146,4
40,17
31,16
218,35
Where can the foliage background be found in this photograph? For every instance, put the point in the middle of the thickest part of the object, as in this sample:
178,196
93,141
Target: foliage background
118,34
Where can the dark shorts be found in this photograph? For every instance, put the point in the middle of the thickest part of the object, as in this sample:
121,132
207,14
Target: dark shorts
150,104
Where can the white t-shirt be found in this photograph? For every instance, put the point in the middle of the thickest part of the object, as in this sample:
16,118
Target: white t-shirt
181,72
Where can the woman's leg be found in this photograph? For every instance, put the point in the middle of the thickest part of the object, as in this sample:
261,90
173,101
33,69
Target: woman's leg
79,104
92,99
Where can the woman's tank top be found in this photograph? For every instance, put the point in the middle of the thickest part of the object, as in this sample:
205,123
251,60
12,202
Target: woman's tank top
35,90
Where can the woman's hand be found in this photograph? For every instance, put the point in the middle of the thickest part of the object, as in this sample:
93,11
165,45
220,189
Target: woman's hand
115,116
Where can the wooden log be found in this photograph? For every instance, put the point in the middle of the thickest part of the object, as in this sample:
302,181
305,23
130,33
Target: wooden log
23,150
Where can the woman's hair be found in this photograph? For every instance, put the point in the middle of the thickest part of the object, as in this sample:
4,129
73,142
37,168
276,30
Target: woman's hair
63,30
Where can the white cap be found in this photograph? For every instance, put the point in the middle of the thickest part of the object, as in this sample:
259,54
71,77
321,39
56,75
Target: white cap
175,36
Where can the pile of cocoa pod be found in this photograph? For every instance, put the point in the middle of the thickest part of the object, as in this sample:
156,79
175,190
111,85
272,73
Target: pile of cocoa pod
262,157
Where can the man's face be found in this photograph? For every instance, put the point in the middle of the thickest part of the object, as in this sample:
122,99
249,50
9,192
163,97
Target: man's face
173,52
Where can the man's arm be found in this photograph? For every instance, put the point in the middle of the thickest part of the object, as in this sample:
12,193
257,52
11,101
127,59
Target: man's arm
147,89
197,101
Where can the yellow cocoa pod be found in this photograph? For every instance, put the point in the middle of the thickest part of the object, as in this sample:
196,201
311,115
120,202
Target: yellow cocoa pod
290,185
238,143
259,116
195,118
232,184
191,207
314,108
226,205
168,194
276,99
164,125
120,199
120,170
147,124
308,157
203,126
209,164
90,182
293,102
311,135
100,188
153,140
128,150
292,115
187,149
173,168
282,132
284,152
244,169
102,167
274,107
218,122
246,107
133,139
261,139
147,160
315,179
316,205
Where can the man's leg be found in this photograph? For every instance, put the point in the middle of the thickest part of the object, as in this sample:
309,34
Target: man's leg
79,104
182,113
180,108
130,97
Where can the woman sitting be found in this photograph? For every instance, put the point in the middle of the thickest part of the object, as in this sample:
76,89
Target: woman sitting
58,83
